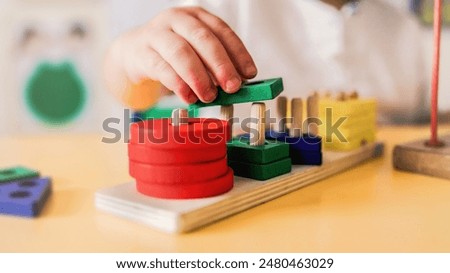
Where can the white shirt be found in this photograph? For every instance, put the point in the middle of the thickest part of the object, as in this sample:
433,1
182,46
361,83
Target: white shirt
371,47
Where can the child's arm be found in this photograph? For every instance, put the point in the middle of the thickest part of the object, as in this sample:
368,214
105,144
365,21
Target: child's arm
187,50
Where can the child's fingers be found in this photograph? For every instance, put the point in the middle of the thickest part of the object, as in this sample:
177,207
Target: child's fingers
182,58
153,66
232,43
210,50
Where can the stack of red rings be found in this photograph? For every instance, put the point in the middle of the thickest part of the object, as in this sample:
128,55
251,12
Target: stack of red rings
180,162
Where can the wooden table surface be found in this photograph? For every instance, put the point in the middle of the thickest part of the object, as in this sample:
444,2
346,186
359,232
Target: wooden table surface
371,208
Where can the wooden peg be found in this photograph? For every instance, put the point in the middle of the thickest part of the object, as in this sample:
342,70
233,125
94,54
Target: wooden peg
227,113
353,95
281,113
341,96
258,125
179,116
312,114
297,117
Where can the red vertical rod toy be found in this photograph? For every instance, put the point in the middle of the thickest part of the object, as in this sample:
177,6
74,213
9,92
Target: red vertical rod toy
435,76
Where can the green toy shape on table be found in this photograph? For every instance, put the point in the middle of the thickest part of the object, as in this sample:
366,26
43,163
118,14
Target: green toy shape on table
249,92
16,173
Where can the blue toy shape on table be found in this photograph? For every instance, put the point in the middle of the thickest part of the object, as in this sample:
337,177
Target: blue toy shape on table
304,150
25,197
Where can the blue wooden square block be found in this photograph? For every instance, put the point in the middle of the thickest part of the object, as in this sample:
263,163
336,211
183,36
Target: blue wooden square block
24,198
306,158
276,135
304,143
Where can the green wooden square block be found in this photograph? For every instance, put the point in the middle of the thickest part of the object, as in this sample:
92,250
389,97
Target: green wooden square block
240,150
249,92
261,171
16,173
157,112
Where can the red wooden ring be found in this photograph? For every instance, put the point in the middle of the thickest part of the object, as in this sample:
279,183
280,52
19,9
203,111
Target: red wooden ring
197,134
179,174
149,155
209,188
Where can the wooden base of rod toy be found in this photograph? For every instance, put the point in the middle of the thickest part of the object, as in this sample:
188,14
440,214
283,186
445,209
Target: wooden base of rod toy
178,216
417,157
430,157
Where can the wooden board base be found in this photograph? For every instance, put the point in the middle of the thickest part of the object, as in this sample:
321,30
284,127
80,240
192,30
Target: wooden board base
177,216
418,158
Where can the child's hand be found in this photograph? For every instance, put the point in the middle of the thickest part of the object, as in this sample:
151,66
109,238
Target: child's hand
189,51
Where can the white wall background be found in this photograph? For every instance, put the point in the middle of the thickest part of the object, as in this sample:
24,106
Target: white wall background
444,84
115,16
51,23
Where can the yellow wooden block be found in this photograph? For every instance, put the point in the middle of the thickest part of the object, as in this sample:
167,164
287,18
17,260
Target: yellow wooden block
348,107
349,126
348,134
350,120
351,143
358,128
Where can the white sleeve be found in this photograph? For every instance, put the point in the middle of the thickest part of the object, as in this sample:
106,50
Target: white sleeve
127,14
187,2
226,10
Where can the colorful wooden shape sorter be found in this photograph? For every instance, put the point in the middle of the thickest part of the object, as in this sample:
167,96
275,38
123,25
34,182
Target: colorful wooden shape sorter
177,158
